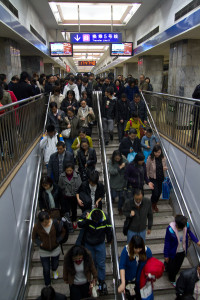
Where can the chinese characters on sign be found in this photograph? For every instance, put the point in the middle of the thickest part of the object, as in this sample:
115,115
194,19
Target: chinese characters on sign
112,37
87,63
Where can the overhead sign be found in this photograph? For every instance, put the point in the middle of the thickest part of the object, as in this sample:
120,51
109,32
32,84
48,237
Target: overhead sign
61,49
93,38
87,63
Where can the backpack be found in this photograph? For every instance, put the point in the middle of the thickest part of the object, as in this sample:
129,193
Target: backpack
59,224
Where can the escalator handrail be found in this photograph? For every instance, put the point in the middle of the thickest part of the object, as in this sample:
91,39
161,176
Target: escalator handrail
22,288
107,184
173,96
21,101
174,175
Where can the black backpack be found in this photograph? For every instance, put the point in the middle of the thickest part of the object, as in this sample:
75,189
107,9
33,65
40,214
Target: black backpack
59,224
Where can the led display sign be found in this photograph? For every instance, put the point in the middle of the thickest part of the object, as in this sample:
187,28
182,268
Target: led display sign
87,63
122,49
61,49
93,38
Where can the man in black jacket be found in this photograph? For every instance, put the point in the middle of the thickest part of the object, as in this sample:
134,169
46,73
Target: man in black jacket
50,84
23,88
188,283
58,160
139,107
108,83
131,143
123,115
97,226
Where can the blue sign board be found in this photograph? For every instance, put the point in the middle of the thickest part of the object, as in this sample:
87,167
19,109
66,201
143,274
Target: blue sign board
93,38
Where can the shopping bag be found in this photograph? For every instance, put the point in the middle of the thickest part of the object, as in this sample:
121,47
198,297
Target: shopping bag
166,188
146,154
147,292
66,133
131,156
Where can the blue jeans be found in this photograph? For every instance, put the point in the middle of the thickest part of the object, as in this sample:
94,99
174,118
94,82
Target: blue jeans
99,256
68,143
47,263
130,234
120,195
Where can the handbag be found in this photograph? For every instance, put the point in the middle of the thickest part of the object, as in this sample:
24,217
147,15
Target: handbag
66,133
127,223
130,289
166,188
147,291
131,156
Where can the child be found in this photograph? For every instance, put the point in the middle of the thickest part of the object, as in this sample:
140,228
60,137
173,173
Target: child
148,142
109,110
49,141
136,123
176,245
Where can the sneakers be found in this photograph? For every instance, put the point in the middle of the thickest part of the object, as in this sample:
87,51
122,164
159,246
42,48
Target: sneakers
173,283
102,288
55,274
74,225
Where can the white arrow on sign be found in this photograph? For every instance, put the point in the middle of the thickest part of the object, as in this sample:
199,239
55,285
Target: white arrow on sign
77,38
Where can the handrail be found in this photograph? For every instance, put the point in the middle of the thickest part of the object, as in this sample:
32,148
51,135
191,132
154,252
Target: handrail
22,289
107,184
174,175
20,102
174,96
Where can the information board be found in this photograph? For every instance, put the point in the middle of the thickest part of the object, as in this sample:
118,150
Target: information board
98,37
61,49
87,63
121,49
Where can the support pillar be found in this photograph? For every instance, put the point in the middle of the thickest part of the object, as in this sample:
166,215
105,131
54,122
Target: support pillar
133,69
152,66
48,68
57,70
32,64
125,70
62,73
10,63
184,70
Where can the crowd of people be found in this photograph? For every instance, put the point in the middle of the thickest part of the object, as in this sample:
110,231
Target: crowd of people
73,182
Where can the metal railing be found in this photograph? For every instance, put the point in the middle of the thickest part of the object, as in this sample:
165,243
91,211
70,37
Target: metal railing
24,279
21,123
115,259
178,118
182,204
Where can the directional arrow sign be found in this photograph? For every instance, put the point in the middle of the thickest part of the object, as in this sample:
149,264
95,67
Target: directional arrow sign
94,38
77,38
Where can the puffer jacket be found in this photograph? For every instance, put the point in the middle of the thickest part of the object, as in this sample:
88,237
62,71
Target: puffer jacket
69,188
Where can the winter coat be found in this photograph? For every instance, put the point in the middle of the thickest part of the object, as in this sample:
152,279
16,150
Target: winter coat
123,110
23,90
126,144
109,108
6,98
57,99
65,103
119,91
75,126
95,233
132,269
48,88
172,240
151,167
53,166
68,277
88,115
72,87
144,86
105,86
152,141
185,284
130,92
13,86
53,120
90,161
117,180
77,141
140,109
134,177
142,214
69,187
43,198
134,124
154,267
49,241
48,145
85,192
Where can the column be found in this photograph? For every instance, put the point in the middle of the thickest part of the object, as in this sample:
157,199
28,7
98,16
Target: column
184,68
152,66
125,70
32,64
62,73
57,70
133,69
48,68
10,62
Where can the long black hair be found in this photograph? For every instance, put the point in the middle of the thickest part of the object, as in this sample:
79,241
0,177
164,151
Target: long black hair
135,243
75,251
156,148
117,153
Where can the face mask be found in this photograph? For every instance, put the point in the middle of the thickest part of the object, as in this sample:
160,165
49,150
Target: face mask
78,262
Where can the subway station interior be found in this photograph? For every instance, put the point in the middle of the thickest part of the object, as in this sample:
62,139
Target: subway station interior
99,96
